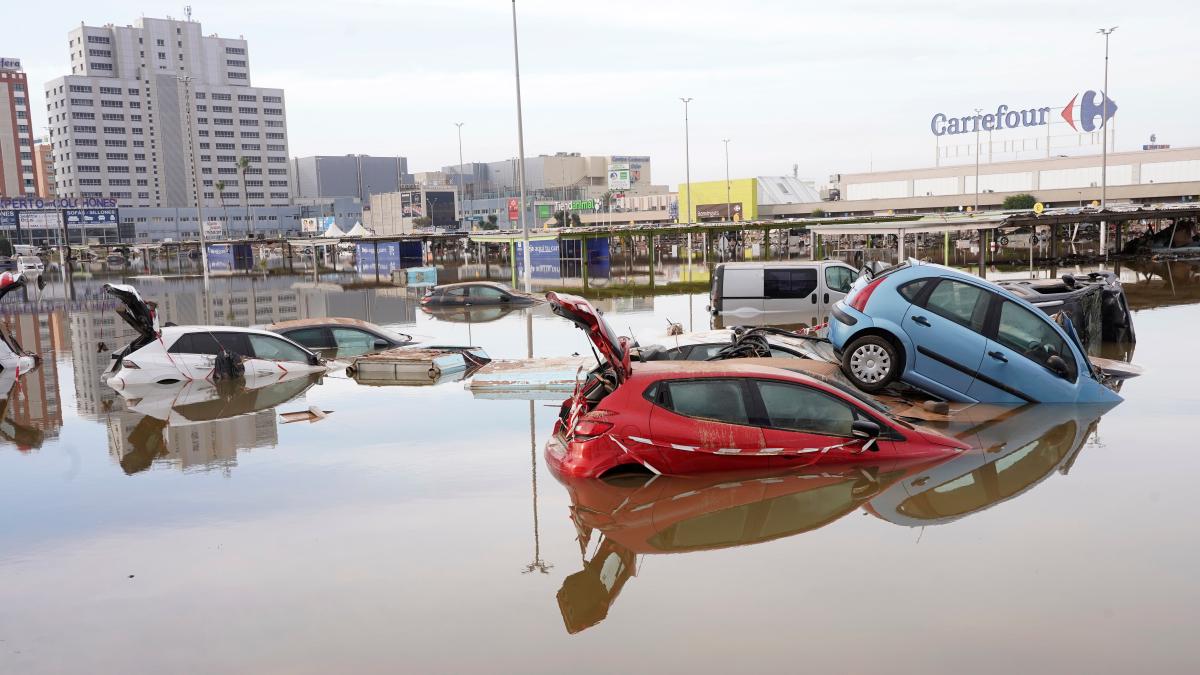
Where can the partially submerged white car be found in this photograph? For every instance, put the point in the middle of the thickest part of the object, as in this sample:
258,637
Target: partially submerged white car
12,356
165,355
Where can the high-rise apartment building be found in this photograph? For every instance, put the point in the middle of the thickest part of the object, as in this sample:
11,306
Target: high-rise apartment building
17,177
43,169
145,101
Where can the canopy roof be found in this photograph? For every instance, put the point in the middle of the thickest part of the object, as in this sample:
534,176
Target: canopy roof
357,231
334,232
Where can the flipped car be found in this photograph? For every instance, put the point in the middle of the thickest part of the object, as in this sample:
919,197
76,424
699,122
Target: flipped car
345,337
959,337
688,417
12,356
173,353
476,293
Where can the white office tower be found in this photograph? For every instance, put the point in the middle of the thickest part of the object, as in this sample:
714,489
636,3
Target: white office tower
141,99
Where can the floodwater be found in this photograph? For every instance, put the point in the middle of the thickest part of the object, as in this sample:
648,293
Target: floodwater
416,529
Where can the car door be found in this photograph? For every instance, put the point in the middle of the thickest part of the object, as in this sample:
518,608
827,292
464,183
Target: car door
273,358
1016,366
354,342
710,415
945,326
800,417
790,290
193,354
836,281
487,295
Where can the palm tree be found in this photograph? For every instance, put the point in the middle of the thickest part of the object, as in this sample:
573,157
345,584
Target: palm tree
243,164
221,197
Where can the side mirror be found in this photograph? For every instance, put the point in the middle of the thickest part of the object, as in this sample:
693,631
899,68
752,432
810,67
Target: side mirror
864,429
1059,367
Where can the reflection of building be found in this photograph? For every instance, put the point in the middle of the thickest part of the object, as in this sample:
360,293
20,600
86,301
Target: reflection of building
35,401
16,132
377,305
126,123
95,331
136,441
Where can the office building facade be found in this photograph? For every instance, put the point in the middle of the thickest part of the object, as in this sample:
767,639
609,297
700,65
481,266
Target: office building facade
359,176
17,174
144,103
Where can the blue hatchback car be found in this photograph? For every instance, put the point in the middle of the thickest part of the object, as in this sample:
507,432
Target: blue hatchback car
959,337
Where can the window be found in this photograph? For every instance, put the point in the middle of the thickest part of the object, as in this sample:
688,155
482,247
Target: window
839,278
313,338
798,408
221,97
1032,336
963,304
912,289
353,342
236,76
789,283
275,349
246,110
235,63
487,293
719,400
160,42
81,88
272,99
235,50
98,40
212,343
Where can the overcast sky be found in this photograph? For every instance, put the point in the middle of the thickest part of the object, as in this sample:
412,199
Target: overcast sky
835,87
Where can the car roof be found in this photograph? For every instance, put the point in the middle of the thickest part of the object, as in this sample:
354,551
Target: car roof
176,331
784,263
460,284
726,368
324,321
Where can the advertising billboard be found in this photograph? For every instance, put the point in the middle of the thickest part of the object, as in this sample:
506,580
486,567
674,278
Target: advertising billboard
76,217
371,259
723,211
618,177
308,224
440,207
544,259
8,219
214,228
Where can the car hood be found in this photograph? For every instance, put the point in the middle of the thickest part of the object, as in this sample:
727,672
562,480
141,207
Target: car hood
580,312
136,312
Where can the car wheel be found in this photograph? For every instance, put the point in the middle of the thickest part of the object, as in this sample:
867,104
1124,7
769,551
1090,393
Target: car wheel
871,363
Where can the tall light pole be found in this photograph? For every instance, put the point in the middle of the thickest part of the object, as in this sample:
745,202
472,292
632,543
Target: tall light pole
728,206
187,106
521,155
462,188
687,156
978,112
1104,133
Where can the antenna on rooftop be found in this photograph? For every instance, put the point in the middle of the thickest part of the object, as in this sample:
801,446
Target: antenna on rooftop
187,12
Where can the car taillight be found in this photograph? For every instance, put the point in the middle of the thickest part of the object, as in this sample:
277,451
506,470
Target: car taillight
859,301
585,429
130,365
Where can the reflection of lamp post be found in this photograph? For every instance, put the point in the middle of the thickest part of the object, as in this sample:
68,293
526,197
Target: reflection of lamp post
1104,138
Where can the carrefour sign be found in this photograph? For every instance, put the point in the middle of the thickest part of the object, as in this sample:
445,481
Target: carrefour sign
1091,107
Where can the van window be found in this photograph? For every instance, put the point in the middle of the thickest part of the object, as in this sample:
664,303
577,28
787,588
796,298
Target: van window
789,283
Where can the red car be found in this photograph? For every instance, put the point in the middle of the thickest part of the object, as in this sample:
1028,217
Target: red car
680,418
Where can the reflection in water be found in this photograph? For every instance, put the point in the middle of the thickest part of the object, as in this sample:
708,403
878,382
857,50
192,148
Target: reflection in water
195,424
639,514
13,428
1015,449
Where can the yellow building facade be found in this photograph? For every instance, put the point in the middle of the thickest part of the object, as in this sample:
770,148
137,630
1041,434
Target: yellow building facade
709,200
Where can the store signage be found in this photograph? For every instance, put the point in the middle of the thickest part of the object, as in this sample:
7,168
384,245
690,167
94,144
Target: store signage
7,63
1091,106
91,217
66,203
721,210
618,177
514,210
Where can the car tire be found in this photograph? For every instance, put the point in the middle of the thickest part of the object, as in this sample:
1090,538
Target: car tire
871,363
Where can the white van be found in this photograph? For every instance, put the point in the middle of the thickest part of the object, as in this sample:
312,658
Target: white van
30,264
778,293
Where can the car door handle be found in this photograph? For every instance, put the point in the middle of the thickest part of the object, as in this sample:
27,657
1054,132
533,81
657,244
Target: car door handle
998,356
921,320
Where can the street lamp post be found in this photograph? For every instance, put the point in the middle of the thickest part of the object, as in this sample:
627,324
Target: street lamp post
1104,133
687,156
521,155
462,188
728,205
187,106
978,112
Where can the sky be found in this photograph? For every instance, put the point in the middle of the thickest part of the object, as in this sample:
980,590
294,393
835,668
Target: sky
835,87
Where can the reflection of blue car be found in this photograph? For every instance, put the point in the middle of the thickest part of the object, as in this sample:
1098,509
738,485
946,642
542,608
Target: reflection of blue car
959,337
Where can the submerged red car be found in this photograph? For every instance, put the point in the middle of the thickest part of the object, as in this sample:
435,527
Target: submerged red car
680,418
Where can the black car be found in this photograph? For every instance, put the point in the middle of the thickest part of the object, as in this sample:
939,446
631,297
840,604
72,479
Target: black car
475,293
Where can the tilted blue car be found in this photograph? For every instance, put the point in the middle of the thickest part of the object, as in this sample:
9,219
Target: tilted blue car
960,337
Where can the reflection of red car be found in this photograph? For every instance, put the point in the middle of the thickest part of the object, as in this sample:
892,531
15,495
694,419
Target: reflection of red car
680,418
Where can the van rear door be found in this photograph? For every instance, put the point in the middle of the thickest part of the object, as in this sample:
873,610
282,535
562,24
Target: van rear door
741,291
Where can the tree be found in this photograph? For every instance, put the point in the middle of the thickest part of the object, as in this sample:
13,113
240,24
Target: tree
575,221
493,220
243,164
6,247
1023,200
221,198
422,221
817,213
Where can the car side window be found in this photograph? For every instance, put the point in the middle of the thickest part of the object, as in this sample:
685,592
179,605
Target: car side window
789,283
313,338
196,343
353,340
839,278
1032,336
487,293
275,349
232,342
718,400
455,293
961,303
798,408
912,290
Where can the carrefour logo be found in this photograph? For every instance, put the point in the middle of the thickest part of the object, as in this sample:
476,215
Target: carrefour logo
1007,118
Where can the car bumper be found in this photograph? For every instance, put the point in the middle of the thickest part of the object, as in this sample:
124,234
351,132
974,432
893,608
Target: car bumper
846,322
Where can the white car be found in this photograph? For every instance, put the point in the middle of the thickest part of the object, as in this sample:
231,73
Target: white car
182,353
30,264
12,356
